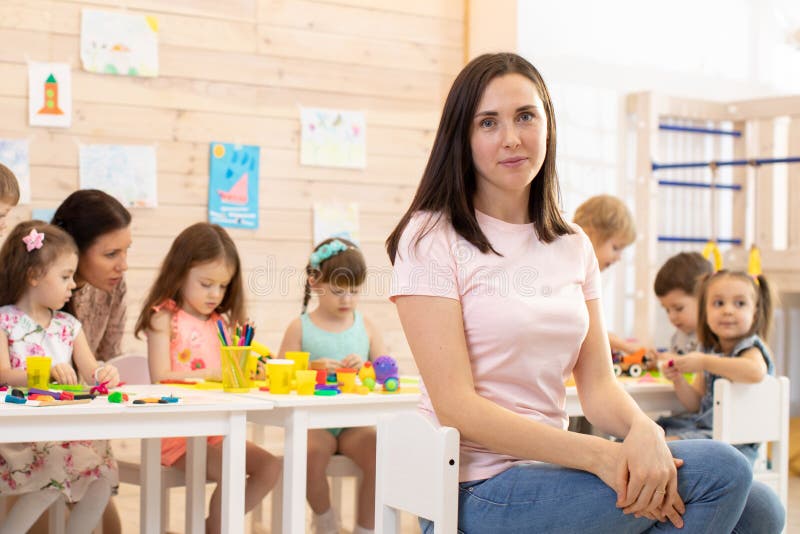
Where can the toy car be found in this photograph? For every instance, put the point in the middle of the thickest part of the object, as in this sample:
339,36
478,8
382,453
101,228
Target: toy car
633,364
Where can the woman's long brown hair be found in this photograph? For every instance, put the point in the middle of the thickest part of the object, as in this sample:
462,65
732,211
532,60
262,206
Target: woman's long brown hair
448,182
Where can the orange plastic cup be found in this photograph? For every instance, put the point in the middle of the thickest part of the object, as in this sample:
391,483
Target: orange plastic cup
347,379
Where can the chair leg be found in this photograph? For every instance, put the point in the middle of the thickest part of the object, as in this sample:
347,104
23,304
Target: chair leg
336,493
387,520
164,507
359,479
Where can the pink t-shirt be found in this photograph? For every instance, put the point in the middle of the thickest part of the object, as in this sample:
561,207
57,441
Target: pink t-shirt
524,314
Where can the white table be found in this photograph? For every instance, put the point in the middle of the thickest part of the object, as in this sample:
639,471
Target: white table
297,414
202,414
650,396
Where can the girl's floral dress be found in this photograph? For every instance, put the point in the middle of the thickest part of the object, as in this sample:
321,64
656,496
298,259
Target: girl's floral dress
194,344
69,466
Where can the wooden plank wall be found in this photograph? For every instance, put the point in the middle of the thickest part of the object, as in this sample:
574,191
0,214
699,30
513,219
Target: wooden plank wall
237,71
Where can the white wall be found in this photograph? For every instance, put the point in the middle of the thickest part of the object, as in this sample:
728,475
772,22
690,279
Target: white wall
592,54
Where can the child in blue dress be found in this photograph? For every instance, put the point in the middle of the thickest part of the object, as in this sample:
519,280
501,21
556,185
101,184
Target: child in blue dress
338,335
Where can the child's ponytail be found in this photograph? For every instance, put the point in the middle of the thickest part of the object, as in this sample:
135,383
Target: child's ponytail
763,319
307,295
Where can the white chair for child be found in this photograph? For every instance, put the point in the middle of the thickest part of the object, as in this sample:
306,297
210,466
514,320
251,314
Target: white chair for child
757,413
134,369
417,472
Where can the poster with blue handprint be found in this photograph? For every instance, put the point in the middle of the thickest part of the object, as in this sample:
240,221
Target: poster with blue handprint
233,185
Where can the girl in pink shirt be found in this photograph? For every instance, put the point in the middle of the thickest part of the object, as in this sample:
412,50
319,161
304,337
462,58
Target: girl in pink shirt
499,300
200,282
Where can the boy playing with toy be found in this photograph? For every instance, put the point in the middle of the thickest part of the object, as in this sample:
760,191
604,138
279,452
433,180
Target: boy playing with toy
675,288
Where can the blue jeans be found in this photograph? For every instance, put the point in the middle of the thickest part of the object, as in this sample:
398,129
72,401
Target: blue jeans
714,482
763,513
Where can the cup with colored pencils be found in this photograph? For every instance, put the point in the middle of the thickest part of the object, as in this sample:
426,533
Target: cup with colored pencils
239,364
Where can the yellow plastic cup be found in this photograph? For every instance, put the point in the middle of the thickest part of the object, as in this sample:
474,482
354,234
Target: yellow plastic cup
280,376
347,379
299,358
306,382
238,369
38,368
252,368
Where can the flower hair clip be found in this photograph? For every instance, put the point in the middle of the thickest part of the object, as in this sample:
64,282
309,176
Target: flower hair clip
33,240
326,251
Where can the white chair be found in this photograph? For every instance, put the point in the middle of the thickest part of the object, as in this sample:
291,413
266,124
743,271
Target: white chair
757,413
417,472
133,368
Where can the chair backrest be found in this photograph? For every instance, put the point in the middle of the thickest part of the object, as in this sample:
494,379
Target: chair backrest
756,413
417,472
133,368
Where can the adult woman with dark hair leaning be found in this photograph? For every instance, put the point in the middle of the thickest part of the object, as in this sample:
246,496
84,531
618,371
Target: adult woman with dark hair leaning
100,226
499,300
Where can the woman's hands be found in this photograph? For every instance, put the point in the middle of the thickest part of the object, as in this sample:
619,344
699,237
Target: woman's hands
644,474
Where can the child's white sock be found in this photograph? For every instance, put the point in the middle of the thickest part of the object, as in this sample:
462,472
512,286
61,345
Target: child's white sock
361,530
86,514
325,523
27,510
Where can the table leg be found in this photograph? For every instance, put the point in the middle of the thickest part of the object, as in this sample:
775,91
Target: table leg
150,485
294,472
233,474
196,484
